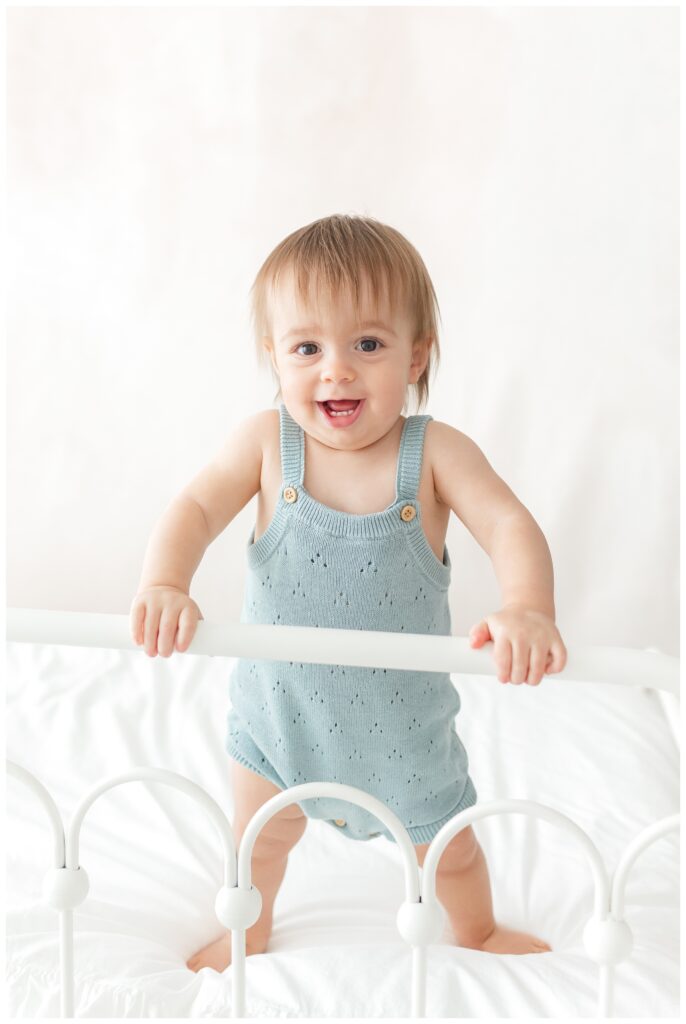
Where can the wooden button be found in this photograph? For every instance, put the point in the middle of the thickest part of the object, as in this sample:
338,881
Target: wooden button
408,512
340,822
290,494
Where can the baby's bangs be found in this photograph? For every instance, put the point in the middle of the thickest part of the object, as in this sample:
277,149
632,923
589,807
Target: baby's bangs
323,279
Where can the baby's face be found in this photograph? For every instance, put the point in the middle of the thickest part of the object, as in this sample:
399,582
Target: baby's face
332,353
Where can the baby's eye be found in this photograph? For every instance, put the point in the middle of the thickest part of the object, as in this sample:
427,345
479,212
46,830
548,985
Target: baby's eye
370,341
306,344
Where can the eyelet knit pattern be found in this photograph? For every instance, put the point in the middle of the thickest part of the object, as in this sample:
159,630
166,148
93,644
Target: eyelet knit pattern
386,731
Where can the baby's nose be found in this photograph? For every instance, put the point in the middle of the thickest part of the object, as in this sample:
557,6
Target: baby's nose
338,371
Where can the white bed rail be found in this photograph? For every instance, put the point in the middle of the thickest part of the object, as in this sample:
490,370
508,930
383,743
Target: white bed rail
607,937
625,666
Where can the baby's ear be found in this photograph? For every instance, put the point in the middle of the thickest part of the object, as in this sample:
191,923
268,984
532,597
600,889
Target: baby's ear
420,354
268,346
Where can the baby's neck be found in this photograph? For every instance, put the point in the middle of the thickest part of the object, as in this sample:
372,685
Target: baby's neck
378,448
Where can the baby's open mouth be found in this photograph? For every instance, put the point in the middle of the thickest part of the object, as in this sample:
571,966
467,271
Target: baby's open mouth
341,412
342,407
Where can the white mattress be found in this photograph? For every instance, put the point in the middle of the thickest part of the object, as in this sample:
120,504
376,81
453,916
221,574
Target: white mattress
606,756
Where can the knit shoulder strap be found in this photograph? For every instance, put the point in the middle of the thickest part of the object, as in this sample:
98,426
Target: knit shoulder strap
410,457
292,449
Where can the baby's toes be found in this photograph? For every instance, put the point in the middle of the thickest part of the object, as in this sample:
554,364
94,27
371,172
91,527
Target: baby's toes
541,947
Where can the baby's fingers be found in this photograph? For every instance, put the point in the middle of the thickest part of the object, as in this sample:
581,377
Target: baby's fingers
136,620
537,663
167,631
557,658
502,656
188,620
152,621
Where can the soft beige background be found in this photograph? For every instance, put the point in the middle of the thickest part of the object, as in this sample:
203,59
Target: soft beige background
155,157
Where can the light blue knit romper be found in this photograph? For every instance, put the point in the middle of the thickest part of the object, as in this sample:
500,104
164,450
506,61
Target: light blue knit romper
388,732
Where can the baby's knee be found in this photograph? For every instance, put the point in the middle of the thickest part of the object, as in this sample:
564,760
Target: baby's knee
460,852
277,837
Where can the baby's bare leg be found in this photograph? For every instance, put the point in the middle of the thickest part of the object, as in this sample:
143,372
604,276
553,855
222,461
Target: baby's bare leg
464,889
268,863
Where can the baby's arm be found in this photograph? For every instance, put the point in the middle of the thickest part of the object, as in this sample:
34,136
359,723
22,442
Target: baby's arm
163,616
527,644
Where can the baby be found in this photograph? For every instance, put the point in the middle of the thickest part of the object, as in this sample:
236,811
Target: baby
353,506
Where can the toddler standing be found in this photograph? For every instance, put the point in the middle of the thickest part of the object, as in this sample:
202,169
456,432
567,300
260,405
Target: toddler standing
354,500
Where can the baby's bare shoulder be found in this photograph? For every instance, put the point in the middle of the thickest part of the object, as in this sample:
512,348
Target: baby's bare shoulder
228,482
465,480
255,431
438,429
270,422
441,441
267,426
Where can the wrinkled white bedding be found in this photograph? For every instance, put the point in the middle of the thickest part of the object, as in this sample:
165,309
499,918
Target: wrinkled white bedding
604,755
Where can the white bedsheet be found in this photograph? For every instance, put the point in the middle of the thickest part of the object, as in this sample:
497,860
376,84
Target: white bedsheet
604,755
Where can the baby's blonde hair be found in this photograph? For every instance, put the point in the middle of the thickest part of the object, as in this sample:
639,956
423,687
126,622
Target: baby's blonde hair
338,253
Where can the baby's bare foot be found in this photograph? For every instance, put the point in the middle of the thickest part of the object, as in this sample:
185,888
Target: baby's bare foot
217,954
506,940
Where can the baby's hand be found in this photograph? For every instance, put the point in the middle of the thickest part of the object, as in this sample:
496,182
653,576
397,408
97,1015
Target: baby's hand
527,644
161,615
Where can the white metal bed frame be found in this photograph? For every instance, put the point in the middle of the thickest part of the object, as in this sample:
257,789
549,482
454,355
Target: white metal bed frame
607,937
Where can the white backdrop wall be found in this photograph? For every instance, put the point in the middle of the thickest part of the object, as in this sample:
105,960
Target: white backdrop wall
155,157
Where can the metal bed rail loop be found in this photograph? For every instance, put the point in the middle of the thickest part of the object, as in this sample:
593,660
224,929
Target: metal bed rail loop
248,910
66,885
607,937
